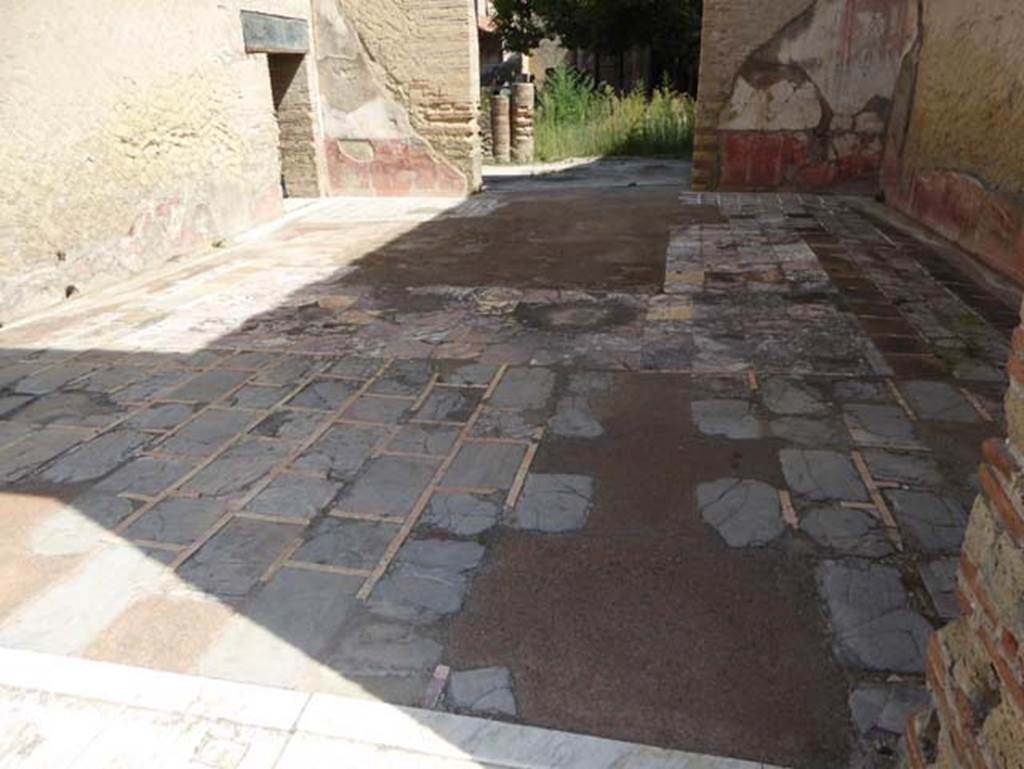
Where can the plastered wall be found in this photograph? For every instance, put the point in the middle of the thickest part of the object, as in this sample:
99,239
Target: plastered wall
955,154
132,131
796,94
137,131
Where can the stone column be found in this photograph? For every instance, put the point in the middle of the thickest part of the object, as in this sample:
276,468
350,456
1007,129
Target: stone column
522,122
501,136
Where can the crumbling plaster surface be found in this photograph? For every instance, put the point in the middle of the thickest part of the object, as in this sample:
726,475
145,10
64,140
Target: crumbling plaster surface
132,132
410,123
370,142
954,156
807,105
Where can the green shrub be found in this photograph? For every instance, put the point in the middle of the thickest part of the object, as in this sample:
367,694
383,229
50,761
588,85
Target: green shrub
575,119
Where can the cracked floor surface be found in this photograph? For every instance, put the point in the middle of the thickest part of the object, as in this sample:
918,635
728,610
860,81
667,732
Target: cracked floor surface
585,451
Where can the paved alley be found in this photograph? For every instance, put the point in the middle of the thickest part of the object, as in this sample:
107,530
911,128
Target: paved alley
586,451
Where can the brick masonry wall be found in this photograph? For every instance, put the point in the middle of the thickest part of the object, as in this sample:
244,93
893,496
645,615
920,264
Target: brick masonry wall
796,94
954,156
400,93
975,665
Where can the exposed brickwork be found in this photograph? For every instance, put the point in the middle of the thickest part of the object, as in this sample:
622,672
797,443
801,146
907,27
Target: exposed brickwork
975,664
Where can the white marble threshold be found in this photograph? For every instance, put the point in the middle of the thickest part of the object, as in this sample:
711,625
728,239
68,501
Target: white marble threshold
58,711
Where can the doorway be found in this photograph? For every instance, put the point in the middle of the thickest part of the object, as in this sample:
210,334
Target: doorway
293,109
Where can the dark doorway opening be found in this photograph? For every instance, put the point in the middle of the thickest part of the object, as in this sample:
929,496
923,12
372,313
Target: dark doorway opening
293,108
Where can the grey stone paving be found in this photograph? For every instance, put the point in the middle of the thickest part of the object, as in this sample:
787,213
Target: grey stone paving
524,388
287,424
938,401
403,377
788,397
464,515
351,544
553,503
370,408
499,423
822,475
96,458
436,440
341,451
933,523
324,394
910,469
71,408
239,468
162,416
574,419
203,436
257,396
450,404
880,425
486,691
732,307
733,419
389,485
847,531
177,521
886,706
874,625
145,475
485,465
293,496
230,564
939,577
428,581
745,513
208,386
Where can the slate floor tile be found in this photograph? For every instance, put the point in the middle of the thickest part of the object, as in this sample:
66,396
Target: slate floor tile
324,394
873,624
292,496
288,424
734,419
938,401
369,408
485,465
746,513
177,520
234,559
234,472
207,386
436,440
341,451
822,475
553,502
389,485
207,433
352,544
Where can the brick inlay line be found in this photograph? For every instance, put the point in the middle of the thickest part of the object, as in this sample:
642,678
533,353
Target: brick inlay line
977,405
424,497
881,506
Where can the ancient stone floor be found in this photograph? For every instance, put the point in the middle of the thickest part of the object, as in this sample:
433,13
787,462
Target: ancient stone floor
613,458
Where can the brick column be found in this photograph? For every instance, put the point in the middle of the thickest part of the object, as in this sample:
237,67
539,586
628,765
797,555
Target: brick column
501,131
975,665
522,122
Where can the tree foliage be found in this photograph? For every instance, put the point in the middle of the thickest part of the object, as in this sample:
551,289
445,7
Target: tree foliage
670,27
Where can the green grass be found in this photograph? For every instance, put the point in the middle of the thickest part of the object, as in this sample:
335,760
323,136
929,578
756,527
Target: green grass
574,119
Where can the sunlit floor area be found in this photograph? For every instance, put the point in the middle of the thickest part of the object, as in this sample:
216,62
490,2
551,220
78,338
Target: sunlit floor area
586,451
